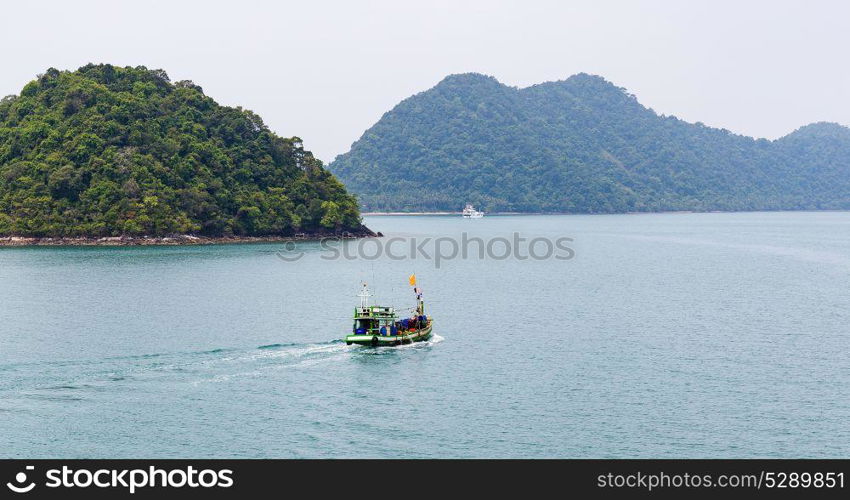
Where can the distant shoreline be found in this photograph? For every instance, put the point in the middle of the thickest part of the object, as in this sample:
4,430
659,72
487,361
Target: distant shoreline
366,214
174,240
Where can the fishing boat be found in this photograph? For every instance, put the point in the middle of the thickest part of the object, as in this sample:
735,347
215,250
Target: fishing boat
469,212
379,326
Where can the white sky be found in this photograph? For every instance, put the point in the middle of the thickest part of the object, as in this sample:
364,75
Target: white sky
327,70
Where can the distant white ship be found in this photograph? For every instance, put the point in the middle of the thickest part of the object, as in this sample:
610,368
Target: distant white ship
469,212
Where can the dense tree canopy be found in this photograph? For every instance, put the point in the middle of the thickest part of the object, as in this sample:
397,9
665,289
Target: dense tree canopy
114,151
581,145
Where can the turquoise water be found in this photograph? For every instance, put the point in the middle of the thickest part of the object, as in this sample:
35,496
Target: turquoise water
668,335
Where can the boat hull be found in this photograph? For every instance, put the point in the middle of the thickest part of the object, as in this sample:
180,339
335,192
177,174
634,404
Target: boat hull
392,340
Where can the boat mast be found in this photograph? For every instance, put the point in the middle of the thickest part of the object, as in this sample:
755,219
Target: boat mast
420,304
364,296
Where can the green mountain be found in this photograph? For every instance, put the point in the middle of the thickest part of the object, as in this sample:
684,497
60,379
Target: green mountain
107,151
581,145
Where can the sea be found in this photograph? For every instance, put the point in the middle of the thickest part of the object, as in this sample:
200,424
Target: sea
700,335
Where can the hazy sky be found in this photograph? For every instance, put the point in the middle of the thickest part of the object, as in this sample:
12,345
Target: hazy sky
326,71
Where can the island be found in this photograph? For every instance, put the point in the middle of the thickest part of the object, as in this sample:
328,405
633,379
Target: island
109,155
581,145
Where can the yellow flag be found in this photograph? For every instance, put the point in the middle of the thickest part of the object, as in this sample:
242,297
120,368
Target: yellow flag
412,280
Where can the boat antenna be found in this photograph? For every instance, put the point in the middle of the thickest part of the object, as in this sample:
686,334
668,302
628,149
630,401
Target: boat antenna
364,295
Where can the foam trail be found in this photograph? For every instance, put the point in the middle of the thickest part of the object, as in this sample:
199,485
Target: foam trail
211,365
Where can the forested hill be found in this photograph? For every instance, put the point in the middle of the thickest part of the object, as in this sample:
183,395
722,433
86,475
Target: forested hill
107,151
581,145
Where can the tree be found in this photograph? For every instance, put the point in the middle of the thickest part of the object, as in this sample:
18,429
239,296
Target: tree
332,218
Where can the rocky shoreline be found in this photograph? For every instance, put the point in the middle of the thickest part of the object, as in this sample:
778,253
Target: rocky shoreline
177,239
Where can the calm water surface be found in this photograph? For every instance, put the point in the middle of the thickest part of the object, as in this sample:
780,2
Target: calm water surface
668,335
